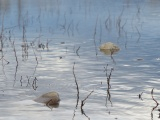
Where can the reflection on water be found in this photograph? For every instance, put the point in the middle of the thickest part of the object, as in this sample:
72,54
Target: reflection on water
109,52
52,45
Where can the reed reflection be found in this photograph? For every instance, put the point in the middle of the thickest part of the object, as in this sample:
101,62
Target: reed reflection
108,98
77,88
154,106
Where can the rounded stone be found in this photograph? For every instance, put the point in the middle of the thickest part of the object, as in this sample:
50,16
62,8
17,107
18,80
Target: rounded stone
109,48
49,98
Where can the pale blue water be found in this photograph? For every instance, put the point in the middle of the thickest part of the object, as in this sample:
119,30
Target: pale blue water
69,26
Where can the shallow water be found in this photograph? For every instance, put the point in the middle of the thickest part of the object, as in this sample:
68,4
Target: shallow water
74,30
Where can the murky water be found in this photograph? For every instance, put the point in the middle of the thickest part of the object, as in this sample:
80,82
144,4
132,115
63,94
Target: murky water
71,32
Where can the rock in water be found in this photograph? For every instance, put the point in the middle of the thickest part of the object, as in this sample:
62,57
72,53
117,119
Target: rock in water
50,98
109,48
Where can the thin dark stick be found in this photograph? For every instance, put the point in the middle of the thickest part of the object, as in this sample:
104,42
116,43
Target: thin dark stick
15,53
28,83
15,75
77,50
155,102
83,101
34,84
36,61
100,39
94,37
77,92
76,85
138,34
82,104
21,80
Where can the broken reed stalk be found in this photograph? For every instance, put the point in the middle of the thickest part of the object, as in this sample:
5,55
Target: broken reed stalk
48,41
2,58
21,80
15,75
124,24
119,22
154,99
77,87
28,78
77,29
107,23
63,27
112,51
83,101
1,34
3,65
95,29
35,39
100,38
108,84
94,36
155,102
77,50
126,39
15,53
140,96
34,84
35,55
138,11
108,78
138,34
36,60
69,28
24,42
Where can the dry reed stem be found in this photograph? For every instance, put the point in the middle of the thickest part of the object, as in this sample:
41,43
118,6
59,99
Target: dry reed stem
155,102
77,87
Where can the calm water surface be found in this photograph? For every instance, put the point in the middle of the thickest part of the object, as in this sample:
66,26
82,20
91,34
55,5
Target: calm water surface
71,32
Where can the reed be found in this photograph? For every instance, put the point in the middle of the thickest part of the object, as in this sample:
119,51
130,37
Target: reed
63,26
100,35
21,81
155,102
2,58
119,22
107,22
47,44
77,87
70,28
28,81
140,96
83,103
108,98
139,35
34,84
94,36
24,42
15,53
78,50
1,33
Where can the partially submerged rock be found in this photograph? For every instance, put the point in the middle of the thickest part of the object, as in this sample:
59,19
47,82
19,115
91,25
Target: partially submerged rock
50,98
109,48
